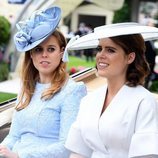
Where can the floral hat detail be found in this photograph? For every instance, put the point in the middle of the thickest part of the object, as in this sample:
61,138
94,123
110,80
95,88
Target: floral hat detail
37,28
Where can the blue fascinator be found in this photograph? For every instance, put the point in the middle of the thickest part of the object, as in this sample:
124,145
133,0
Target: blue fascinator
37,28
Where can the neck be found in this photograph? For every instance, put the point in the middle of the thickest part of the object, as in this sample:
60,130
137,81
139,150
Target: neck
115,83
114,88
110,94
44,80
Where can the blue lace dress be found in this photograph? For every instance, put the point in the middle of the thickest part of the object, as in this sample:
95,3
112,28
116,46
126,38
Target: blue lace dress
40,130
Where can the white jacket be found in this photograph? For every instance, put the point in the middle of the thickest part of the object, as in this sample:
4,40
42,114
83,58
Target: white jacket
128,128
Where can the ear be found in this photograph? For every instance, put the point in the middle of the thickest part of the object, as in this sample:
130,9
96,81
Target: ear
62,51
131,57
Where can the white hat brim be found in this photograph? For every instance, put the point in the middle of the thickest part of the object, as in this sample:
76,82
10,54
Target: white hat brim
91,40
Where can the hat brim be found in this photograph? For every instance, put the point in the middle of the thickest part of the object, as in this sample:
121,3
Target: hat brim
91,40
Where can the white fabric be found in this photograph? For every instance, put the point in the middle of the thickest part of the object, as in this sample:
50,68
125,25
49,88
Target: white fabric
128,128
65,57
148,144
73,143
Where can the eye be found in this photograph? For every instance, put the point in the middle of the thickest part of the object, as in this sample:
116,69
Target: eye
110,50
38,50
99,48
51,49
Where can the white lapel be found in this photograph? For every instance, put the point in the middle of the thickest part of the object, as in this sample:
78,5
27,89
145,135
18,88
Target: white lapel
90,124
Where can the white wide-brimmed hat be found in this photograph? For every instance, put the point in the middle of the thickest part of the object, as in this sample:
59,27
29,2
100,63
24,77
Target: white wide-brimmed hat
91,40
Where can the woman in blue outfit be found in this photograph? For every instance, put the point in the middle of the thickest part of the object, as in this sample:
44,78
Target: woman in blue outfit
49,99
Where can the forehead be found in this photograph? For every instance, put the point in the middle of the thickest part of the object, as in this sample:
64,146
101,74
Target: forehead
51,40
106,41
109,43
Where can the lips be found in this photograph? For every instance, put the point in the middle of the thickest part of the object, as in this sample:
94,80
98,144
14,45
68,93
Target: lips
44,63
102,65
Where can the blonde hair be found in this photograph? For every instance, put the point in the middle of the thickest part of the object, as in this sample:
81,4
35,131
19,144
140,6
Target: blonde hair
30,76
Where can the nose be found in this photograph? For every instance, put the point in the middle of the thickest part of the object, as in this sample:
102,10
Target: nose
102,53
44,53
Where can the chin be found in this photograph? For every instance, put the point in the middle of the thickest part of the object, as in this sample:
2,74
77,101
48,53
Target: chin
101,74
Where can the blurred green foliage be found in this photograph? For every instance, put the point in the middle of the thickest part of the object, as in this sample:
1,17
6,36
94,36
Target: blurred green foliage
5,32
6,96
124,14
76,61
4,71
154,87
5,28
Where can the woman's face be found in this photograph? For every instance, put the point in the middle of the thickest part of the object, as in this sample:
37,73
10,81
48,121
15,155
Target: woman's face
47,56
112,62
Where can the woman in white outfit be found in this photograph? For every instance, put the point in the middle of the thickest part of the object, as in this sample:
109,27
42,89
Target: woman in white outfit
120,119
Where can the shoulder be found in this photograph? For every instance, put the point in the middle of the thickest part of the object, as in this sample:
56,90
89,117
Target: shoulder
143,97
140,92
136,94
72,87
93,99
93,95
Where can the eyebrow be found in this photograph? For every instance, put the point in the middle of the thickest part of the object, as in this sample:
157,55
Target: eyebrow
46,46
108,47
51,45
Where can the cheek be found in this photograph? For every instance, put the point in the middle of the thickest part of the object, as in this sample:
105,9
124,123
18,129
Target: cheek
56,59
119,58
97,56
35,61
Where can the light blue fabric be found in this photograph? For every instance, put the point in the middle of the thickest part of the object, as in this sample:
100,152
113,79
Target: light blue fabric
37,28
40,130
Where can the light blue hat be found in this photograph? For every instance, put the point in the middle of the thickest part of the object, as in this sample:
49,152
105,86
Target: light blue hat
37,28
